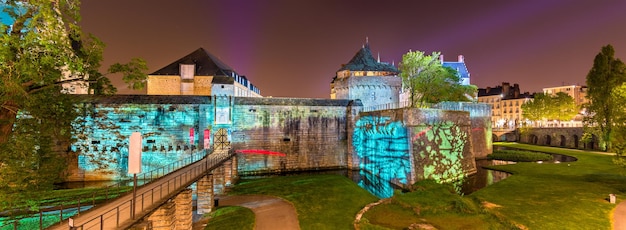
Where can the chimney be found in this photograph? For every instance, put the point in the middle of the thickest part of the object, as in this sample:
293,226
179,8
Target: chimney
461,58
505,88
441,58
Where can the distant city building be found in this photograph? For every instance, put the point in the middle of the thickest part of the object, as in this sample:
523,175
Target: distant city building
365,78
200,73
579,93
506,104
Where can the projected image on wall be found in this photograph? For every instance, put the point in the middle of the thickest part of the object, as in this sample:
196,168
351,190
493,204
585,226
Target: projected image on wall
383,150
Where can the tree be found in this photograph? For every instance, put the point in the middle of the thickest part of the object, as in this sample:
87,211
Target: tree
429,82
536,109
559,107
606,74
565,107
618,138
42,49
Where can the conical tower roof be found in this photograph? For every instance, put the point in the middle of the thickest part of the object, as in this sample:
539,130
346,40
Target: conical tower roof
206,65
364,61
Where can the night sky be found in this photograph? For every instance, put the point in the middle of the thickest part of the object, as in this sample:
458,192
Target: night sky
293,48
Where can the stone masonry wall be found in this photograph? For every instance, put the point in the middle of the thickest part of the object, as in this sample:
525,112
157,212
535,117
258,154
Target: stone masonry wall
289,134
407,145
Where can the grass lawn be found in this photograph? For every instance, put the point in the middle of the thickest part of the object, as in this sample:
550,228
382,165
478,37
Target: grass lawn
569,195
433,205
322,201
231,218
54,198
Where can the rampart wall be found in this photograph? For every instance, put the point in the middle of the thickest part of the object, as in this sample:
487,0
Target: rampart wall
275,135
407,145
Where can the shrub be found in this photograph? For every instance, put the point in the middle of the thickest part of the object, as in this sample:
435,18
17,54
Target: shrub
519,156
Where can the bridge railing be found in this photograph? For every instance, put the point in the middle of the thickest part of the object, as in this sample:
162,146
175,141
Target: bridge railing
73,207
155,194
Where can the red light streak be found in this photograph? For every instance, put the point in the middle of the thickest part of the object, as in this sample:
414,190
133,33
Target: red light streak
260,152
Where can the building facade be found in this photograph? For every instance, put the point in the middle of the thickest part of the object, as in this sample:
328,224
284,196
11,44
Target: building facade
200,73
506,104
579,93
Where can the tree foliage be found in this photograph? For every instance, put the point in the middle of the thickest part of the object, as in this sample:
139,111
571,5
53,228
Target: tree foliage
430,82
42,49
559,107
606,75
618,138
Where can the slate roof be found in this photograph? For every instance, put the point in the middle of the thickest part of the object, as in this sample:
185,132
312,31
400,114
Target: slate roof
513,93
364,61
460,67
223,80
206,65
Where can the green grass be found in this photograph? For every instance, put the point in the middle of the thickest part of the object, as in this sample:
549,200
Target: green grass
321,201
54,198
518,156
231,218
433,204
568,195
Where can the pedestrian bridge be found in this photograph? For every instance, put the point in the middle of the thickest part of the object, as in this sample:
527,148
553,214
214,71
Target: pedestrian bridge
130,209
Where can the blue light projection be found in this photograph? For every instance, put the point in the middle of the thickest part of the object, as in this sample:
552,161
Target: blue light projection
383,149
424,144
102,143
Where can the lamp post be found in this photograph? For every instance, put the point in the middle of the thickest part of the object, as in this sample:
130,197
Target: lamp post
134,166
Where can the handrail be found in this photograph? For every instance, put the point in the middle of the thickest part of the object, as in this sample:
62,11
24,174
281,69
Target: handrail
151,197
82,203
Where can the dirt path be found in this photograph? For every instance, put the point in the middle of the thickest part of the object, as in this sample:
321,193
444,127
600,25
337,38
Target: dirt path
272,213
619,216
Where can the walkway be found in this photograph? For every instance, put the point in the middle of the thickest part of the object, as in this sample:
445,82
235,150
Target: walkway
116,214
619,216
271,213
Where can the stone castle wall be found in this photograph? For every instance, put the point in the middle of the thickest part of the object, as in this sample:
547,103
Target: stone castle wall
407,145
273,135
289,134
371,90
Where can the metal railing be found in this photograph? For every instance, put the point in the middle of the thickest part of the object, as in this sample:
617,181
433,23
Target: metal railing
151,197
82,203
396,105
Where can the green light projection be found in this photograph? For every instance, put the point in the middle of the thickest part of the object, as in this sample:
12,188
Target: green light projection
426,144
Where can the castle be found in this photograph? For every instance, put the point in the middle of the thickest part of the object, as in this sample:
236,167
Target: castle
377,83
281,134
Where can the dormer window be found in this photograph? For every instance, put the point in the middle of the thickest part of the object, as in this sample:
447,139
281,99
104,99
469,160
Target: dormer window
187,71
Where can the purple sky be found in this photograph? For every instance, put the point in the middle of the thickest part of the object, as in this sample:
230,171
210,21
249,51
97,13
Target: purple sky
293,48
